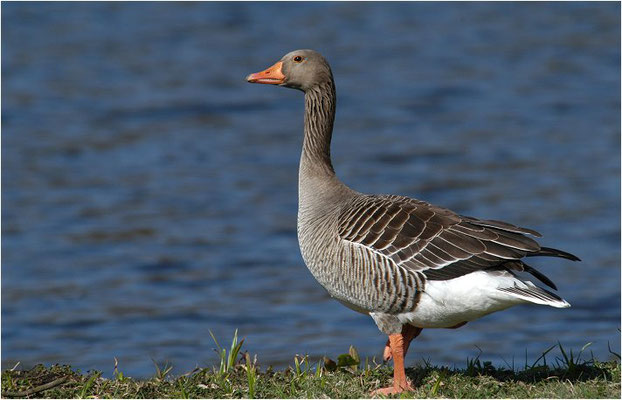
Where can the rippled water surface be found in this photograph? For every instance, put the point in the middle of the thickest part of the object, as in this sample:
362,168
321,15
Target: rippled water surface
149,194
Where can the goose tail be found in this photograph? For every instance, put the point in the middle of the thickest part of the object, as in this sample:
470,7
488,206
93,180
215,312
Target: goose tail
534,294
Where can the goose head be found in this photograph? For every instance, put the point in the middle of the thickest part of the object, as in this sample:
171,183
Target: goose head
299,69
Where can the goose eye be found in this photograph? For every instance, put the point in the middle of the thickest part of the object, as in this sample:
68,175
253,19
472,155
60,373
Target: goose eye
298,59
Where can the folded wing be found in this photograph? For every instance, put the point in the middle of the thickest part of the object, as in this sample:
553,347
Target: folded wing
437,242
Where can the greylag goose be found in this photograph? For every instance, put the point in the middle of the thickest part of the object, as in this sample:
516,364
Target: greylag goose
406,263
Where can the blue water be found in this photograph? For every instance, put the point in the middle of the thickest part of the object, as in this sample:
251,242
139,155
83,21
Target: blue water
149,193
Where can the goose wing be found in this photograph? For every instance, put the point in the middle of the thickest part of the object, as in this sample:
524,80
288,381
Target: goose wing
438,242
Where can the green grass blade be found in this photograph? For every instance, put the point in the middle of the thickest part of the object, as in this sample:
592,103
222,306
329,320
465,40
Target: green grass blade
543,356
89,384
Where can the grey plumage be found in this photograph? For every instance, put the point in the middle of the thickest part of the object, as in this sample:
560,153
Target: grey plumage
377,253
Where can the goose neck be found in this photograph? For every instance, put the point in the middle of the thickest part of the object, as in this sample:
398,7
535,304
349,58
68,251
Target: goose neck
320,103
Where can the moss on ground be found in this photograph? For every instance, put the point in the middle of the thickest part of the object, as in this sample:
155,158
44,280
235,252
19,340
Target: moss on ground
343,379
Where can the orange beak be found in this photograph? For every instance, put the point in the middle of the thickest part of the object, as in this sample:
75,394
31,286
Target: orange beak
271,76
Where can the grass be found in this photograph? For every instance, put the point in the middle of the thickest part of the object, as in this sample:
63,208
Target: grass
239,376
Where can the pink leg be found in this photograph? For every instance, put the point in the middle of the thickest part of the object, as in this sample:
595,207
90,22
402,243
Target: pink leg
409,332
400,384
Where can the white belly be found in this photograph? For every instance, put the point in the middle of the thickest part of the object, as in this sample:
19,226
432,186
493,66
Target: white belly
444,304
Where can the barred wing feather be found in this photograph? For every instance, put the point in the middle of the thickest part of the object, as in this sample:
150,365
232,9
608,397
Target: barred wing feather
436,241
